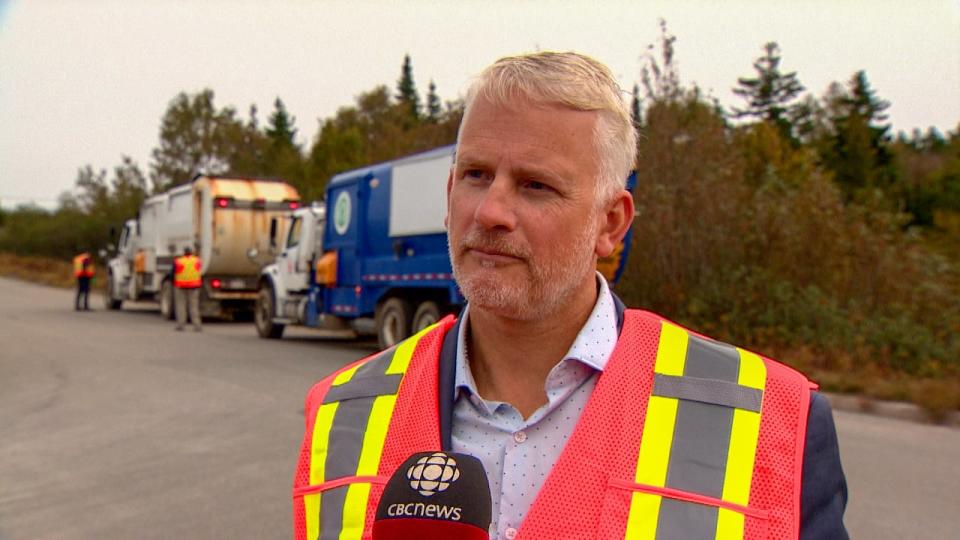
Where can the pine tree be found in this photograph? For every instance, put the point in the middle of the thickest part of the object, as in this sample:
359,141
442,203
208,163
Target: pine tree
282,157
280,128
769,94
860,154
636,113
407,90
434,108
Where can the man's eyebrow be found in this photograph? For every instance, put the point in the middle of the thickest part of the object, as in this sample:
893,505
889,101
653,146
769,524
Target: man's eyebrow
538,172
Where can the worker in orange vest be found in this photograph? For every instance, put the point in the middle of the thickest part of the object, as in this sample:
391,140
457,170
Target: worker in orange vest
83,271
186,282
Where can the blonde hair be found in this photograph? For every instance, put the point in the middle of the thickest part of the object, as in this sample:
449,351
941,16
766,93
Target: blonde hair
571,80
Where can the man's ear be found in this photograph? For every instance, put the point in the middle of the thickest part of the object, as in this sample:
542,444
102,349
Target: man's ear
446,218
615,220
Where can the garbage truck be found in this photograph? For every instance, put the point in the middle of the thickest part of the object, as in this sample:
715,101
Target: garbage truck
372,258
226,221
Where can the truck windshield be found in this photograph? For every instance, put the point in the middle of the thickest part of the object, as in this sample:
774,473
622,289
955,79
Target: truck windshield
293,238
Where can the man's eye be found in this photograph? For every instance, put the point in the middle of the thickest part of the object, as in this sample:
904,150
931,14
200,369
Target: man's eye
537,186
473,173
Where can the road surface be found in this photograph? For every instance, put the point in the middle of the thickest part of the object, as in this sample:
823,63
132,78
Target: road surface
114,426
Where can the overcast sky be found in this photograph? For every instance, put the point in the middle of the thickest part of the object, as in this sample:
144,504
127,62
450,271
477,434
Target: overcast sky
85,82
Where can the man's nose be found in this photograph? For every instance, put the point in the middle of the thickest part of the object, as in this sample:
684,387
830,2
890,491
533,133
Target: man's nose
496,209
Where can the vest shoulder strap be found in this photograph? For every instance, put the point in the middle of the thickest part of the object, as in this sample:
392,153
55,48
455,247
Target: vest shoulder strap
678,441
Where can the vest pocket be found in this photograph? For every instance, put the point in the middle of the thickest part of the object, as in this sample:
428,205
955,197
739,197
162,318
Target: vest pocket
632,510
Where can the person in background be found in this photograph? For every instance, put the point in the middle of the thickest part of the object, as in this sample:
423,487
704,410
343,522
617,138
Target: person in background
186,282
83,270
592,420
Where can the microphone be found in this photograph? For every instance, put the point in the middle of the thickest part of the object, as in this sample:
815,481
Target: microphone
435,496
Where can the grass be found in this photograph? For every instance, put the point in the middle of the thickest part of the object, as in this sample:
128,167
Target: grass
47,271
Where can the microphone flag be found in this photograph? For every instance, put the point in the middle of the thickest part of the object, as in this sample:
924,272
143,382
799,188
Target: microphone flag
435,496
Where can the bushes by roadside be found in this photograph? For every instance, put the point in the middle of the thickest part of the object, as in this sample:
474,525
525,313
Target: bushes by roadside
45,270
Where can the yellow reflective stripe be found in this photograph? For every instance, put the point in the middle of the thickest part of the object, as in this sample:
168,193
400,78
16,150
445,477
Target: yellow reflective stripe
644,512
319,444
355,505
401,359
658,436
652,466
345,375
743,449
311,505
374,438
672,350
753,372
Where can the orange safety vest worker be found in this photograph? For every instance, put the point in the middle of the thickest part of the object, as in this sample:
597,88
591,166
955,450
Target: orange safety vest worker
739,479
186,272
79,270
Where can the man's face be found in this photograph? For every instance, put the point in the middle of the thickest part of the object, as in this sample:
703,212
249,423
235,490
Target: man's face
523,216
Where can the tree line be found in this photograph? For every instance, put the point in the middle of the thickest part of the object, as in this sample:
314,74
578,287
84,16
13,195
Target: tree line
793,223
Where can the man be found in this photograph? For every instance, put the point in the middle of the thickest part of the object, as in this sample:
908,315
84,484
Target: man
83,271
186,282
592,421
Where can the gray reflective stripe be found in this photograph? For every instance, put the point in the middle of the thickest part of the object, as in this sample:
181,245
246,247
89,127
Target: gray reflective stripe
701,440
346,434
682,520
343,458
332,502
708,391
381,385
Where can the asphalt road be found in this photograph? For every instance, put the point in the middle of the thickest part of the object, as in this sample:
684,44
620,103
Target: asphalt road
114,426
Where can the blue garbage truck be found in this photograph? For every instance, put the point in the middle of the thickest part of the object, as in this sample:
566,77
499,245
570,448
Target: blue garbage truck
372,258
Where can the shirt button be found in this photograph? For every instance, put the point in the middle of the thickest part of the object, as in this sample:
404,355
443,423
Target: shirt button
510,533
519,436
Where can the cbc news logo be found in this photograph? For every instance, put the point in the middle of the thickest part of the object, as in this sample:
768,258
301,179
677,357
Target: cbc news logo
433,474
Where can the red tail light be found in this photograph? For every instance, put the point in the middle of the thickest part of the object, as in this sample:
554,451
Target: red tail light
215,283
222,202
293,205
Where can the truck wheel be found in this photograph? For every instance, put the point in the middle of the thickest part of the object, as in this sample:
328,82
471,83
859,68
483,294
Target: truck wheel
427,313
263,315
393,322
108,299
166,301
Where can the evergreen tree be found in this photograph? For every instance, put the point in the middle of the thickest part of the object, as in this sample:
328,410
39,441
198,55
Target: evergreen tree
769,94
636,113
860,155
407,90
434,108
280,128
282,157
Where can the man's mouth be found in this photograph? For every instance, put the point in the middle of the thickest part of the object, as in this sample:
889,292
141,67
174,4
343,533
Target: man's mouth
493,255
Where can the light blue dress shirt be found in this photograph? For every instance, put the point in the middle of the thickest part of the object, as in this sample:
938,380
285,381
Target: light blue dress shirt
518,454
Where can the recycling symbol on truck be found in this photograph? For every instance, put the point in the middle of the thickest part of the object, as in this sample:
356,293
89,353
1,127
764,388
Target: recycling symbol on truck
341,213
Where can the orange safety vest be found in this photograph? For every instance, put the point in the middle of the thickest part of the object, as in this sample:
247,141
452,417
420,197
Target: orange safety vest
78,267
186,272
683,437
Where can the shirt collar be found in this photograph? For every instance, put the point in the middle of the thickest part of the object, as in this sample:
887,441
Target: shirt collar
592,347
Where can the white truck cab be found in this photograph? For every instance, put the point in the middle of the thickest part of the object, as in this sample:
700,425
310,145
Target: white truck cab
285,284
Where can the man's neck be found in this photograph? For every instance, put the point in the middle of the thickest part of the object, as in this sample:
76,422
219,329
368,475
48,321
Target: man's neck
510,359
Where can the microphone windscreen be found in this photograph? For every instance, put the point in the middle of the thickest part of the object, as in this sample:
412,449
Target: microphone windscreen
435,496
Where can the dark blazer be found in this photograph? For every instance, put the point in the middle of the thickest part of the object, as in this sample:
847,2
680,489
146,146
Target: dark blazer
823,495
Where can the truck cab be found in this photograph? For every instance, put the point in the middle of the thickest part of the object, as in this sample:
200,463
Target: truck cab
285,284
119,271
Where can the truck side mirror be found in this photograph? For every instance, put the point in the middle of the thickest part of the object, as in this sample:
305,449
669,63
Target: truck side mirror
273,232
